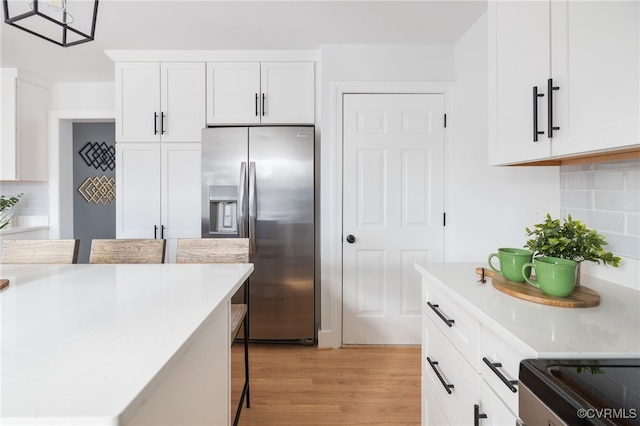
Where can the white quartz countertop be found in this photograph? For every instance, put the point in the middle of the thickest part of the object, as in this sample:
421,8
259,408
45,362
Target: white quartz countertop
611,329
82,342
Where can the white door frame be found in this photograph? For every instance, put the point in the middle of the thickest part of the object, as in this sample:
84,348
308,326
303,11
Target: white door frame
330,333
60,166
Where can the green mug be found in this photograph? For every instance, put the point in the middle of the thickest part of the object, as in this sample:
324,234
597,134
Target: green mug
511,262
554,276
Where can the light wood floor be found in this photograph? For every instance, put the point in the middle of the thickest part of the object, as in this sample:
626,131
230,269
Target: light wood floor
301,385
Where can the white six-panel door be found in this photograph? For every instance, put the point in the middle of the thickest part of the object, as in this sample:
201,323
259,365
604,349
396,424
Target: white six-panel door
393,189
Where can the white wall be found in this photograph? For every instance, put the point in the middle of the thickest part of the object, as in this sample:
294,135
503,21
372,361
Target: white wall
368,63
488,207
82,96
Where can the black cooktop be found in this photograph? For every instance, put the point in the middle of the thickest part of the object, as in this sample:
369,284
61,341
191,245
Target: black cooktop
586,392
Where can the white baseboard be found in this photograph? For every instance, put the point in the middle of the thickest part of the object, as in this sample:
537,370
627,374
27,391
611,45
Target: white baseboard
326,340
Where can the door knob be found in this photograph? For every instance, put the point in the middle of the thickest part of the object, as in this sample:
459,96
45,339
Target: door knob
351,239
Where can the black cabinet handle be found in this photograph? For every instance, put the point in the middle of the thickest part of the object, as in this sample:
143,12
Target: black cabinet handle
162,232
351,239
446,320
446,385
155,231
550,89
256,104
155,123
477,415
162,123
536,95
263,104
493,366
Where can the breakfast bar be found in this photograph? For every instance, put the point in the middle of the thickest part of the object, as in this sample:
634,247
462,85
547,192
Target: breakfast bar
117,344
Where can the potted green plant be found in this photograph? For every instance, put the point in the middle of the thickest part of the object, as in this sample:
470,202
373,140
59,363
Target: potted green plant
569,239
6,209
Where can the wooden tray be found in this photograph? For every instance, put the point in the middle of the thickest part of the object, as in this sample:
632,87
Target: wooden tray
582,297
3,283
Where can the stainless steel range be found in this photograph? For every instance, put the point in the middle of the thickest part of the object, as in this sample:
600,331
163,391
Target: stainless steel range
580,392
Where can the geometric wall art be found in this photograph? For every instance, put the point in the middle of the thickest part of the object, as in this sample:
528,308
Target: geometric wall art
98,189
99,155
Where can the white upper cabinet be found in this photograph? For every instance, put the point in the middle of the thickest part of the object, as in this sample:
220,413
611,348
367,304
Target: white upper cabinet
160,102
288,90
24,130
518,62
583,58
233,92
260,92
595,64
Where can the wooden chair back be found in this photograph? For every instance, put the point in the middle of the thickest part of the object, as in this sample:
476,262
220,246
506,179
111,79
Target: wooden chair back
127,251
213,250
40,251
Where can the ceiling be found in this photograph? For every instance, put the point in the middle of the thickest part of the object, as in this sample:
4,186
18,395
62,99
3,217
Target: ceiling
237,25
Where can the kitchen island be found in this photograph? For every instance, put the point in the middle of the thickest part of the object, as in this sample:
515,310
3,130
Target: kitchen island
117,344
474,337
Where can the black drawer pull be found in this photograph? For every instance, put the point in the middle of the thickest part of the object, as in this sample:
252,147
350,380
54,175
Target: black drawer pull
433,364
507,382
477,415
447,321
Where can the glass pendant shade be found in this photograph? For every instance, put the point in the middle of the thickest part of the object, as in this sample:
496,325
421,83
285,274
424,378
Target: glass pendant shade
63,22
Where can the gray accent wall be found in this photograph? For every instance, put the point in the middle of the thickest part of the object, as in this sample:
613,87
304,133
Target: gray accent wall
91,220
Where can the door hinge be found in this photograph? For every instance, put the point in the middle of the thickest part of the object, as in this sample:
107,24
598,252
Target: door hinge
444,219
445,120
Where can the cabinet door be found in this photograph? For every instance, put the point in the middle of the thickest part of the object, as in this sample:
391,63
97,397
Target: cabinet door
8,153
233,92
518,61
24,139
137,102
180,175
137,190
32,138
498,414
182,101
595,63
288,88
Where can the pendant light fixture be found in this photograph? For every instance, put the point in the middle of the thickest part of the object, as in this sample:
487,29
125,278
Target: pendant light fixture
63,22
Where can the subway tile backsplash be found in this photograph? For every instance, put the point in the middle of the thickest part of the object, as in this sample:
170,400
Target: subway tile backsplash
606,197
34,202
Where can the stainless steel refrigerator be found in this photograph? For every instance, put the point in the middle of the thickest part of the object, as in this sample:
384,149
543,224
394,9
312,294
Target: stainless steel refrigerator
258,183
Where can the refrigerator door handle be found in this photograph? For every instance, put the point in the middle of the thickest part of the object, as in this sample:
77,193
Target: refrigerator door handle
253,207
241,204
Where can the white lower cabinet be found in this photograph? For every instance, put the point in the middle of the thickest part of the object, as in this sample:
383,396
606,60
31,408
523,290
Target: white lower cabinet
450,376
500,366
491,410
432,412
459,326
158,191
469,373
